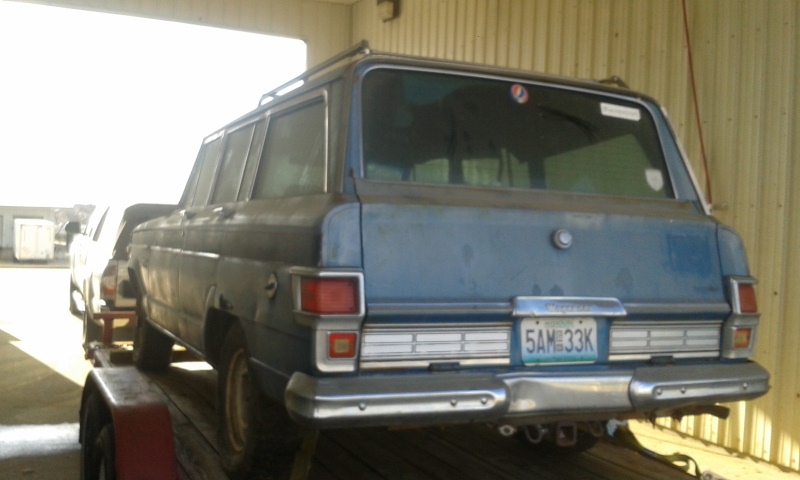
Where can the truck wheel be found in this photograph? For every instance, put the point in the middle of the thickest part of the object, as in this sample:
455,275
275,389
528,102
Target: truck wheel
256,436
152,350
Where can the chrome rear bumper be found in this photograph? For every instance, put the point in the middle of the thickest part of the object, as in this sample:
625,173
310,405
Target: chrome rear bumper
446,398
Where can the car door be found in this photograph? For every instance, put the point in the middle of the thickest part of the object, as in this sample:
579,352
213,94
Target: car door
213,204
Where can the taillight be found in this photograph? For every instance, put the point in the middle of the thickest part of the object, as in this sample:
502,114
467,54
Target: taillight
330,295
740,330
331,303
747,298
741,337
341,345
108,282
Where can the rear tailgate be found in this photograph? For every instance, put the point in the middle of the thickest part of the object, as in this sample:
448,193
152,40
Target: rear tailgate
433,244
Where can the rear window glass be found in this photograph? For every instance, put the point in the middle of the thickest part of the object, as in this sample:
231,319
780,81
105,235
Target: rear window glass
448,129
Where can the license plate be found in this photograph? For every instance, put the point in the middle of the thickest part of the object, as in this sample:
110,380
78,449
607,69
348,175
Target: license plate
558,340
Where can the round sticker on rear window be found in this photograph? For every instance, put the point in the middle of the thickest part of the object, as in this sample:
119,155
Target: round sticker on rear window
519,94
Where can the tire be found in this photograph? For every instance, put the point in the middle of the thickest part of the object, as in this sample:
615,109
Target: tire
152,350
104,458
97,441
256,436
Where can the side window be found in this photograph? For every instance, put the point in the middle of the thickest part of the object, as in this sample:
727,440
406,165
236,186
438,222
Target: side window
252,159
231,166
205,176
293,159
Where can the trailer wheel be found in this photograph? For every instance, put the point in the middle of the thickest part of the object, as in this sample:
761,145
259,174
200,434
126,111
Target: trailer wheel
256,436
97,441
104,458
152,350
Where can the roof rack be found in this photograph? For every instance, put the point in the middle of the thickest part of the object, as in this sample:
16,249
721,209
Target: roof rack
614,80
361,48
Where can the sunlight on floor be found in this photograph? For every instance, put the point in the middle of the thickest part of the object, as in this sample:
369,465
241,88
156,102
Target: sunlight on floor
32,440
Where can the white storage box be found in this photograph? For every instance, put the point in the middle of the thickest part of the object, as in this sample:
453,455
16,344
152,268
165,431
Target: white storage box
34,239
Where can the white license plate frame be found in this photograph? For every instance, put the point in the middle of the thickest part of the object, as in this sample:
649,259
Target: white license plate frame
558,341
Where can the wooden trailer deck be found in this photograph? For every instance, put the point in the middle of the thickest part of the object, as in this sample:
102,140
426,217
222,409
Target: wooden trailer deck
462,452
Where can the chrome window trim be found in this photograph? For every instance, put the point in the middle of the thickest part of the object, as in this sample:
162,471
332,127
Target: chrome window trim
508,308
676,308
456,308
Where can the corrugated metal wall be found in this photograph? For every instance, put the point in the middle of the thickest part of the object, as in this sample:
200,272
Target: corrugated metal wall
747,74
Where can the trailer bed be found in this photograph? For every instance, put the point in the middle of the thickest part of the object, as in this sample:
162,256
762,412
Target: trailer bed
459,452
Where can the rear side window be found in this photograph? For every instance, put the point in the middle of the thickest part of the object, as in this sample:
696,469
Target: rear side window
448,129
207,166
231,167
293,158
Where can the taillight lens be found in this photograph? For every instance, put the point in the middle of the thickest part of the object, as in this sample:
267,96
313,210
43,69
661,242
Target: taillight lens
331,296
741,338
747,298
341,345
108,282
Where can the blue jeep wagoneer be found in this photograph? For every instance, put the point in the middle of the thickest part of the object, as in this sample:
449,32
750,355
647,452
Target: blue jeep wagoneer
402,241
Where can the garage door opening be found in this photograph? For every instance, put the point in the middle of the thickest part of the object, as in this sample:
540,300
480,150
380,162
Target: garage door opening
108,108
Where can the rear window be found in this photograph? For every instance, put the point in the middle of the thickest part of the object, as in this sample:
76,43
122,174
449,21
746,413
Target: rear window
454,130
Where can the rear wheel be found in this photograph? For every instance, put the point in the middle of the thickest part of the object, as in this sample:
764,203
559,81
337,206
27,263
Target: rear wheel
256,436
152,350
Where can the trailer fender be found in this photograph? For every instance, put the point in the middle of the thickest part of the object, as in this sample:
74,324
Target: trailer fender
143,440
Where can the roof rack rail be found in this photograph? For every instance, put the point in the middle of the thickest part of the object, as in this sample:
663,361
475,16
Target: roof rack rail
614,80
360,48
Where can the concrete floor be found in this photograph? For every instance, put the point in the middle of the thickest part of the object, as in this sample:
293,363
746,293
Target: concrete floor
43,371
